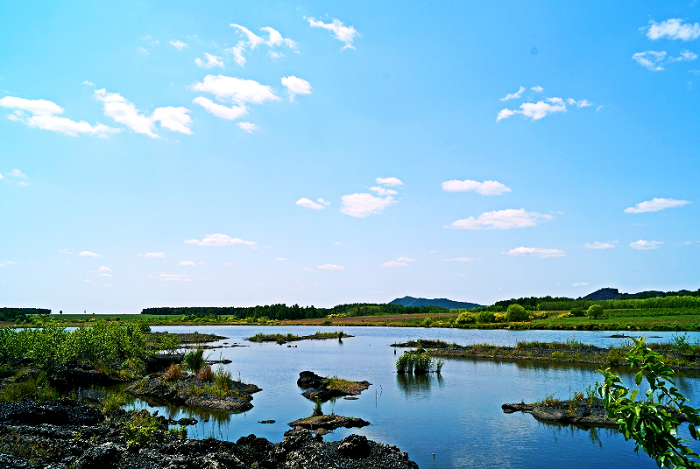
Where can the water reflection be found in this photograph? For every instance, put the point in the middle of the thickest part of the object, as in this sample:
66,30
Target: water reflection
418,386
563,430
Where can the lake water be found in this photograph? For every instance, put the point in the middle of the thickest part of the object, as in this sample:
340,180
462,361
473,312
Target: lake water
457,416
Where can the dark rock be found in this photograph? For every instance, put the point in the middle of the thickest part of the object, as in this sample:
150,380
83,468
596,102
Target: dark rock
317,387
59,412
354,447
105,456
73,378
158,363
267,421
328,422
309,379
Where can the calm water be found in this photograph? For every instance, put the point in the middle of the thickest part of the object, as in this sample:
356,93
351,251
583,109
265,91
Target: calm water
457,416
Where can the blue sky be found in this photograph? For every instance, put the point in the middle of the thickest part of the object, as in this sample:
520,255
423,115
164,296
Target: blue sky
171,154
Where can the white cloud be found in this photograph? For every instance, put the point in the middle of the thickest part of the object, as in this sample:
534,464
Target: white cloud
483,188
253,41
598,245
143,51
655,205
44,116
650,59
1,177
186,263
224,112
275,55
536,252
175,278
643,245
238,90
686,55
10,263
324,202
88,83
502,220
296,86
280,259
331,267
362,205
460,259
394,264
173,118
580,103
405,259
515,95
219,239
673,28
304,202
104,269
537,89
247,126
88,254
535,111
123,111
389,181
179,45
579,284
211,61
159,255
381,191
17,173
345,34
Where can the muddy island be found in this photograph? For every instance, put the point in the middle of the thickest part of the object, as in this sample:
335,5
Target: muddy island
324,389
64,434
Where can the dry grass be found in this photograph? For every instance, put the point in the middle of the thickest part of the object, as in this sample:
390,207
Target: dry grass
174,372
205,374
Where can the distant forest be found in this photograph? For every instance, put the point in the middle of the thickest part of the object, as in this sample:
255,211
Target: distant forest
14,314
282,311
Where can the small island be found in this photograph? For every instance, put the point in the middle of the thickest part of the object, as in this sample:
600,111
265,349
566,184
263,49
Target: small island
324,389
284,338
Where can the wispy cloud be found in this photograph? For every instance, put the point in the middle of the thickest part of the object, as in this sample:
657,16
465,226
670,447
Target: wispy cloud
240,92
654,60
598,245
123,111
344,34
331,267
296,86
247,126
88,254
579,284
186,263
210,61
460,259
654,205
253,41
219,239
540,253
88,83
400,262
674,28
44,115
537,89
179,45
175,278
535,111
643,245
160,255
515,95
483,188
382,192
502,220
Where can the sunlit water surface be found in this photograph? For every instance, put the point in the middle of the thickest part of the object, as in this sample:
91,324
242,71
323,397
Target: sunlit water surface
456,416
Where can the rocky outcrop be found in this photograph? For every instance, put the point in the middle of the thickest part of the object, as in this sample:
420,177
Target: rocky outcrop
103,445
321,424
191,391
324,389
575,411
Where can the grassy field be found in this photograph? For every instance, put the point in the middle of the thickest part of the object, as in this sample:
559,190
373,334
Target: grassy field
661,319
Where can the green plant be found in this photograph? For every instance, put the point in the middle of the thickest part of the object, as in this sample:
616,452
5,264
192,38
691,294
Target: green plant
112,401
516,313
485,317
317,408
180,433
653,422
594,311
465,318
578,312
139,429
194,359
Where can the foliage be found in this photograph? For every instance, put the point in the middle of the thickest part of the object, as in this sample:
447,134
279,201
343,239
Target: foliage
180,433
516,313
317,408
222,379
417,362
20,314
485,317
139,429
594,311
652,423
194,359
112,401
578,312
36,388
465,318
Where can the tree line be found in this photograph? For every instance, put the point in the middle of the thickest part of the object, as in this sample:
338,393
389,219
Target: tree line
20,314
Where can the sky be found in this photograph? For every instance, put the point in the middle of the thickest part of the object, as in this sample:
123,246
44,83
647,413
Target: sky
229,153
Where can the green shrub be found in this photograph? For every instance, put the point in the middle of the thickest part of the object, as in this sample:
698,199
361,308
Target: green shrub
139,430
418,362
594,311
485,317
578,312
465,318
516,313
194,359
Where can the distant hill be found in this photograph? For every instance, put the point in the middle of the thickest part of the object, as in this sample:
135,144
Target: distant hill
614,294
442,302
